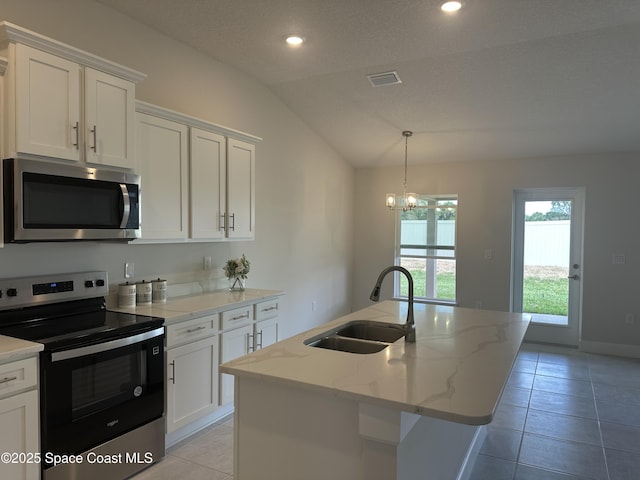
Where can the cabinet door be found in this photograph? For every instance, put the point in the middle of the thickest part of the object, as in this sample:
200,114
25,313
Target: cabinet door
208,177
241,189
47,104
192,382
266,333
234,344
162,162
109,119
19,426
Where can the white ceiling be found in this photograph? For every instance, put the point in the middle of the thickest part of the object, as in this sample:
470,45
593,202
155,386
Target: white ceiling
501,79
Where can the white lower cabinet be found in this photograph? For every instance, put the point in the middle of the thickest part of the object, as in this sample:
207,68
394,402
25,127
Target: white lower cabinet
266,333
196,391
19,419
247,336
233,344
192,373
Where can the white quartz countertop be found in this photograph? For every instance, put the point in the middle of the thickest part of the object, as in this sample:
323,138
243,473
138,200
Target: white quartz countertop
183,308
455,371
15,349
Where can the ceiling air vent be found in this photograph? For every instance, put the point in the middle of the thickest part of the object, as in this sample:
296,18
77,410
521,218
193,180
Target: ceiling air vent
385,78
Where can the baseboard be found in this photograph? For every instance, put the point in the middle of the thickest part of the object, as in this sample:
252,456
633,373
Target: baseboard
615,349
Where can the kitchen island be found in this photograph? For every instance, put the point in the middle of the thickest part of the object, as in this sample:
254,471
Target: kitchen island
411,410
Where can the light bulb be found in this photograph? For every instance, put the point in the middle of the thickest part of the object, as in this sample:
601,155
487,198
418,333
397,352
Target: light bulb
451,6
294,40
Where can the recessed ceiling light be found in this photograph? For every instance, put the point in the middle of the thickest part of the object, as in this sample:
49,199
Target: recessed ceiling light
451,6
294,40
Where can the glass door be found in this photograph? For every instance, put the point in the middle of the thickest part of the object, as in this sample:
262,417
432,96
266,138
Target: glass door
547,262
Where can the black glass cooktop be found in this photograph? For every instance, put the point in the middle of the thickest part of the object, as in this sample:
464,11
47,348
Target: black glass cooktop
73,324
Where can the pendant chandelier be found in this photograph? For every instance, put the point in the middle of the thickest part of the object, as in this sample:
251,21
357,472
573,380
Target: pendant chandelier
408,201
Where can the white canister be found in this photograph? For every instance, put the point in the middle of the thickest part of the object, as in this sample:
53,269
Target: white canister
159,291
127,295
143,293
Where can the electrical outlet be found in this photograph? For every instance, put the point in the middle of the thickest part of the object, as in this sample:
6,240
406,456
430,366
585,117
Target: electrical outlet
206,262
314,305
129,270
629,318
488,254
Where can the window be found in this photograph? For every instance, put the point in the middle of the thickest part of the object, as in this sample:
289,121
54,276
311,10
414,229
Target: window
426,246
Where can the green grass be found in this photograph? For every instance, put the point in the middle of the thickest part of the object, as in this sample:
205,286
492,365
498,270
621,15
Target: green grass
446,283
541,295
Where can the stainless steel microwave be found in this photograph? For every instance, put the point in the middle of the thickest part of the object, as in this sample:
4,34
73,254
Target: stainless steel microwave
46,201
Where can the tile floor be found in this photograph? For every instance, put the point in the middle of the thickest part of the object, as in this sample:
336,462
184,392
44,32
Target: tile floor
564,415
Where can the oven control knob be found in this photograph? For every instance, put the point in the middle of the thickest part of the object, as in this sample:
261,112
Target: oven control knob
88,283
12,292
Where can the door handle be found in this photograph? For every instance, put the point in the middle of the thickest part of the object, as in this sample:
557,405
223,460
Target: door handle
575,276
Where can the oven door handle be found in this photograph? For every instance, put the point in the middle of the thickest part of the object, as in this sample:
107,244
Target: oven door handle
105,346
126,205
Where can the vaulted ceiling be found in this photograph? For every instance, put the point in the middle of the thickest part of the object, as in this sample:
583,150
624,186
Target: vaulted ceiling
500,79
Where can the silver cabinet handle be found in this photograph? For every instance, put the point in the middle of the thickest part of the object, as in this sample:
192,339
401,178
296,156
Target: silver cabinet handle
191,330
8,379
259,343
249,342
223,222
94,131
173,373
268,309
76,127
233,223
239,317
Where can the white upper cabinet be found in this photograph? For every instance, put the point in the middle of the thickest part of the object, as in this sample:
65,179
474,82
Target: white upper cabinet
110,125
216,178
64,103
47,104
241,190
163,165
208,187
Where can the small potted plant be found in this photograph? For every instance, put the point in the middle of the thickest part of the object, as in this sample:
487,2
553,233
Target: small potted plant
236,270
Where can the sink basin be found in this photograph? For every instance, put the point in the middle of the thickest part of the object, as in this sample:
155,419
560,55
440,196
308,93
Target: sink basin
347,345
367,330
359,336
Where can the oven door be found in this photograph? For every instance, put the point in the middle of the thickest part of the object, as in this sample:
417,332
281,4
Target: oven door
96,392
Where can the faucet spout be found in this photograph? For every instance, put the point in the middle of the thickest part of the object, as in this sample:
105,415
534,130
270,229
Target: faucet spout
409,326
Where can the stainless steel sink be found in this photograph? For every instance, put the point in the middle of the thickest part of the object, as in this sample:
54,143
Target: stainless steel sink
368,330
359,336
347,345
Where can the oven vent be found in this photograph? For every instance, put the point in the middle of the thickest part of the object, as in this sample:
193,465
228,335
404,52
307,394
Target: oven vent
385,78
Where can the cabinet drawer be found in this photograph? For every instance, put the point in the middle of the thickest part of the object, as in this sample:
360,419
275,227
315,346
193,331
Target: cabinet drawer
268,309
15,376
236,317
191,330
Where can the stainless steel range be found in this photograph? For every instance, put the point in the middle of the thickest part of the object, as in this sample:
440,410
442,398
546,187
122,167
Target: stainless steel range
101,375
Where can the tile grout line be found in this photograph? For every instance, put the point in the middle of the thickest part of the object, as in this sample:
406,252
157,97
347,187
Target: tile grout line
595,404
526,417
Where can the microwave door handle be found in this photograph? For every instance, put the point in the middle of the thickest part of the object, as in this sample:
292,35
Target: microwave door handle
126,205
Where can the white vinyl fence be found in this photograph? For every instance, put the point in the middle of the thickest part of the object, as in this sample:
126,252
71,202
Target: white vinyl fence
547,243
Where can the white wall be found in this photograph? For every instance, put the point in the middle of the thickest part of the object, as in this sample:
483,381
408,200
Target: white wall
485,193
304,231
